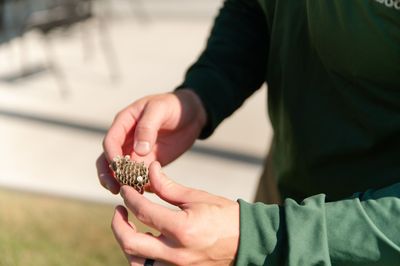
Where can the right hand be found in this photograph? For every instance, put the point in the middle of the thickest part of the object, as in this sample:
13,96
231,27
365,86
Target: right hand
205,231
155,128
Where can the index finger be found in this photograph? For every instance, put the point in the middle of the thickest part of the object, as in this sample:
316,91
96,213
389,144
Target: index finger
135,243
152,214
117,134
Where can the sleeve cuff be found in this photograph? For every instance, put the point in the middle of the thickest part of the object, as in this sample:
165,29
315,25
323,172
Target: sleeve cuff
262,228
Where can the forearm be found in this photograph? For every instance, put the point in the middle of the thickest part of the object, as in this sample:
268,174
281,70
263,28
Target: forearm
233,64
361,230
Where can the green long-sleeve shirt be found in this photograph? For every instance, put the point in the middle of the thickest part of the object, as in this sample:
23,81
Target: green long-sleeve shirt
333,75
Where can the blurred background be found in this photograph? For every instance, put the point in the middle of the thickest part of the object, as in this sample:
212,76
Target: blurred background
66,68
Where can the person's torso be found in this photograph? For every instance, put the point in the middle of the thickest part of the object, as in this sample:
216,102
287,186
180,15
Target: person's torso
334,94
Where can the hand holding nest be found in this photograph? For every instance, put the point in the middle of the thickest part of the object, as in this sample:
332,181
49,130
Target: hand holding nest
196,234
158,127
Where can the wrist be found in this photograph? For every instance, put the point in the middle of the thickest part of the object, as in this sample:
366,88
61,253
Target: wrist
191,101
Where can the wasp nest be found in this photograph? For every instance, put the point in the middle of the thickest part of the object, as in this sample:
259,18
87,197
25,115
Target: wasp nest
130,172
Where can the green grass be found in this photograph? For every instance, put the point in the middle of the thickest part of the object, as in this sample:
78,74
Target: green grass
44,230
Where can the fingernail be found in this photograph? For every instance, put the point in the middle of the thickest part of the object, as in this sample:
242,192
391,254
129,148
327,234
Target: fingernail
142,147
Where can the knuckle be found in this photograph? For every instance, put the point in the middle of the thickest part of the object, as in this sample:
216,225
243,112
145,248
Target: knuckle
186,256
186,234
141,217
157,102
182,258
144,126
140,214
163,187
161,105
127,247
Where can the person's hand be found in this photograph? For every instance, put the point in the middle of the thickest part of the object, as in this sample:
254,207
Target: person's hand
158,127
205,231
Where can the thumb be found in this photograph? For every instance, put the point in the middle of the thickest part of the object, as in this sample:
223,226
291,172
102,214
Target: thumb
169,190
147,128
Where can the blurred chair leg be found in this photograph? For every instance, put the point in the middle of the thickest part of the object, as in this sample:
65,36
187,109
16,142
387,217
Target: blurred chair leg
138,11
267,190
10,54
55,69
23,55
87,42
108,49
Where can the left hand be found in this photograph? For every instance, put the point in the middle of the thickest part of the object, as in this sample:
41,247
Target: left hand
205,231
158,127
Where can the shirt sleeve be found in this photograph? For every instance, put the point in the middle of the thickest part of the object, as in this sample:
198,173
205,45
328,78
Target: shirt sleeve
361,230
233,64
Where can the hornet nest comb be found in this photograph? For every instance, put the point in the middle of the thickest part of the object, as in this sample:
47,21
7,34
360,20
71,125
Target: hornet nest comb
130,172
